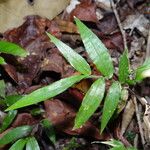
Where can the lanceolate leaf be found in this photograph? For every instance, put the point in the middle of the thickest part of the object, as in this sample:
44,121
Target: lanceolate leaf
90,102
2,61
18,145
77,61
11,99
32,144
46,92
8,120
124,67
11,48
110,104
2,88
143,71
15,134
49,130
96,50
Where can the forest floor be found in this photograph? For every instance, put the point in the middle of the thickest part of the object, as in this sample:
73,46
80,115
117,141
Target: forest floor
120,25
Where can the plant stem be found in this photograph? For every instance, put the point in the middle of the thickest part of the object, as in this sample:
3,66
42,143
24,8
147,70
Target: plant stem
94,76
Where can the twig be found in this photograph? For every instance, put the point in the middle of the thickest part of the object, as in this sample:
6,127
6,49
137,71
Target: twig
139,121
119,24
148,46
136,141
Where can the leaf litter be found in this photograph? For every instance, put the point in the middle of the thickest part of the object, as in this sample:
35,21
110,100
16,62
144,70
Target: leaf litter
45,65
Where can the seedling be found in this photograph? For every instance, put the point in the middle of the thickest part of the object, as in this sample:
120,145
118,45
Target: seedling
102,60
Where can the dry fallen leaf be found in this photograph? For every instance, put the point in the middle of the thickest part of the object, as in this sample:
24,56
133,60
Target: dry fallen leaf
137,21
24,119
62,117
127,116
85,11
12,12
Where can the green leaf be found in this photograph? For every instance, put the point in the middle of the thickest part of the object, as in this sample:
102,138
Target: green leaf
73,144
2,88
11,48
8,120
143,71
2,61
76,60
32,144
110,104
113,143
18,145
96,50
46,92
117,145
49,130
90,102
124,67
37,111
11,99
15,134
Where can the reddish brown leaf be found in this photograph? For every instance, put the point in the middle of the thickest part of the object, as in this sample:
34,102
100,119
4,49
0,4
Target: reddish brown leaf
77,95
24,119
31,36
66,26
62,116
85,11
11,72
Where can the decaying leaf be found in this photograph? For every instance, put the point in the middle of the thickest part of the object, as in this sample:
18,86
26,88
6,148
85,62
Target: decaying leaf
36,43
137,21
127,116
85,11
146,119
62,117
12,12
66,26
24,119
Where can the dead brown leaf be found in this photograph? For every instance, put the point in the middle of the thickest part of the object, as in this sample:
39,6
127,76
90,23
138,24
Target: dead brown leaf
62,116
24,119
85,11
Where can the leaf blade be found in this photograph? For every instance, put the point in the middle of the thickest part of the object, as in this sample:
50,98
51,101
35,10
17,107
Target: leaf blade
50,91
77,61
8,120
20,144
32,144
124,67
143,71
2,89
2,61
96,50
110,104
49,130
11,48
15,134
90,102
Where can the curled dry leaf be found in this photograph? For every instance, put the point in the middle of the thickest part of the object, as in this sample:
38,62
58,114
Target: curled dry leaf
62,117
85,11
127,116
35,42
11,70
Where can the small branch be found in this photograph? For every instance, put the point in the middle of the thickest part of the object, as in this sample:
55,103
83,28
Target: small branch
148,46
139,120
119,24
